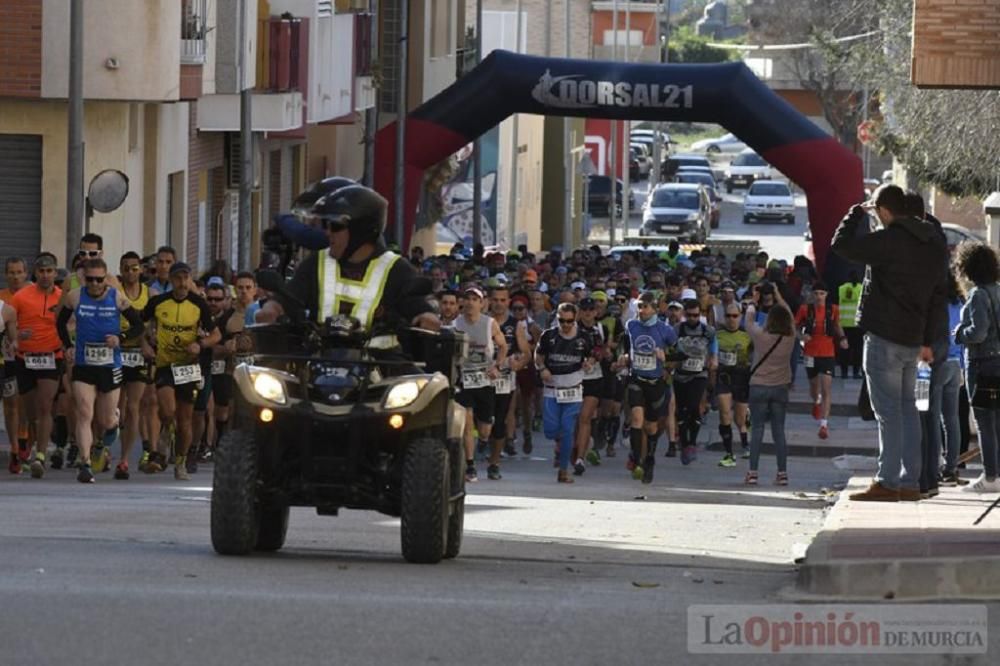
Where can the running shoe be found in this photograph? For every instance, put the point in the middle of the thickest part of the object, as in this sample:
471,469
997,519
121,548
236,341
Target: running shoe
121,471
638,472
952,479
688,455
155,464
99,458
647,470
824,432
71,456
579,468
470,474
493,473
528,447
38,467
727,461
671,451
982,485
85,475
750,479
593,457
56,461
781,479
180,469
14,464
24,451
192,465
745,454
817,411
509,449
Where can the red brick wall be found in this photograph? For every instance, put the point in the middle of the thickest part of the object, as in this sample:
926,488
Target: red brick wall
205,151
20,48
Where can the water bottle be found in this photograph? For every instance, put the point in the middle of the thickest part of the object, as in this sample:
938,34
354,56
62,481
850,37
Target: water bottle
923,389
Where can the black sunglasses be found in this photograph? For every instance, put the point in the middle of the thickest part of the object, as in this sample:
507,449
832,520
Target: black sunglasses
217,299
94,278
566,322
692,315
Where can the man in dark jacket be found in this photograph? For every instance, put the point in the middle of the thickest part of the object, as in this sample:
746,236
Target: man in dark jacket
905,280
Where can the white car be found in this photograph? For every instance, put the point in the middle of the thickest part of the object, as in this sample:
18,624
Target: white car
769,200
746,168
727,143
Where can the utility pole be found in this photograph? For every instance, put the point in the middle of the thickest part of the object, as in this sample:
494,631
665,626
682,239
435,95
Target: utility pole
548,28
74,161
371,113
614,148
514,146
568,167
627,133
402,108
477,158
246,146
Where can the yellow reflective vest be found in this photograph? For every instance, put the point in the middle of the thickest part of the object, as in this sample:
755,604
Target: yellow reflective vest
850,297
363,295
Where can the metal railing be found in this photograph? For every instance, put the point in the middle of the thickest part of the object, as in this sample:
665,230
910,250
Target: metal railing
193,30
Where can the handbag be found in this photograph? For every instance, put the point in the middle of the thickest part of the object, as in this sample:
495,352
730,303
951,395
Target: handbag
987,394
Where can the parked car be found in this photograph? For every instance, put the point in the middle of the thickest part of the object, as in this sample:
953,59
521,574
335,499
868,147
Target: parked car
645,160
708,181
746,168
599,196
678,210
647,137
727,143
769,200
956,234
672,164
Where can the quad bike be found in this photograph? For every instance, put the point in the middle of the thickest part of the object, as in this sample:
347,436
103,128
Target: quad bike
326,416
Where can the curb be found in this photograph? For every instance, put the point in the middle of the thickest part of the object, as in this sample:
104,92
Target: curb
952,578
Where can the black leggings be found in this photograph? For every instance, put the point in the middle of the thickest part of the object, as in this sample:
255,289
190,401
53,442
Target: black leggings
689,395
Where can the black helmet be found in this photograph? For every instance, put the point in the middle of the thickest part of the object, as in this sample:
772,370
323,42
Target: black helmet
318,190
363,210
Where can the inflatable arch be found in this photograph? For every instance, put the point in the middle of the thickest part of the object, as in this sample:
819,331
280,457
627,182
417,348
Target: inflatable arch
728,94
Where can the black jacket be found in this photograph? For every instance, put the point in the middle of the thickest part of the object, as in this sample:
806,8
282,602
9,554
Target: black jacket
906,279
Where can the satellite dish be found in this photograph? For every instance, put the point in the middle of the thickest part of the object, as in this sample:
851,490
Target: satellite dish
107,191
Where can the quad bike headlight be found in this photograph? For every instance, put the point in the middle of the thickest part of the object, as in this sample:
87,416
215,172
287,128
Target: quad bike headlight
404,393
270,388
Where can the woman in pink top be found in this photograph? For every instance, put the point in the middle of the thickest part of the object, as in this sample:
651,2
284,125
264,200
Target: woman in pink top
770,376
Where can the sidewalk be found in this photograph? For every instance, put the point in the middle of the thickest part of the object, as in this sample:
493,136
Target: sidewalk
905,550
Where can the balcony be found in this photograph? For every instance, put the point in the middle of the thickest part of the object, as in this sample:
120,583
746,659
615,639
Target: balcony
285,50
194,27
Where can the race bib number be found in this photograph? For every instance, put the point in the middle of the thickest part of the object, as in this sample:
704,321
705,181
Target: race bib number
810,361
240,359
693,364
566,394
186,374
644,362
10,387
474,380
504,384
133,358
94,354
40,361
728,358
219,367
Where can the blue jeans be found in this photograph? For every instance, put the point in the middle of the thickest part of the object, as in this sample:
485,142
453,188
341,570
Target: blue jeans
987,420
945,386
892,376
768,404
559,422
795,359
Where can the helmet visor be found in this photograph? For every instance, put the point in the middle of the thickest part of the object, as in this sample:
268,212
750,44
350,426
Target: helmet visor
333,222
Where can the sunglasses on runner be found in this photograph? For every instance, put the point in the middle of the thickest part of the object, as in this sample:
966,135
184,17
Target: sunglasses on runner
94,278
693,315
567,322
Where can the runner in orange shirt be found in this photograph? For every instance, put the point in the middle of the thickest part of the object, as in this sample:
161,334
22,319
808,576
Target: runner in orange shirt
819,329
14,417
39,353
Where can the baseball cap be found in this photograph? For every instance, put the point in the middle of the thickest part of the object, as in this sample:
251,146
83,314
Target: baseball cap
474,290
45,261
179,267
675,304
587,303
599,296
689,293
578,285
215,281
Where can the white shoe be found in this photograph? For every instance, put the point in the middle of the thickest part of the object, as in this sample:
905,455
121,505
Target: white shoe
981,485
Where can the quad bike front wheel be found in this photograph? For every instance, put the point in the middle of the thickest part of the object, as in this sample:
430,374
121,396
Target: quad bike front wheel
426,493
235,519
